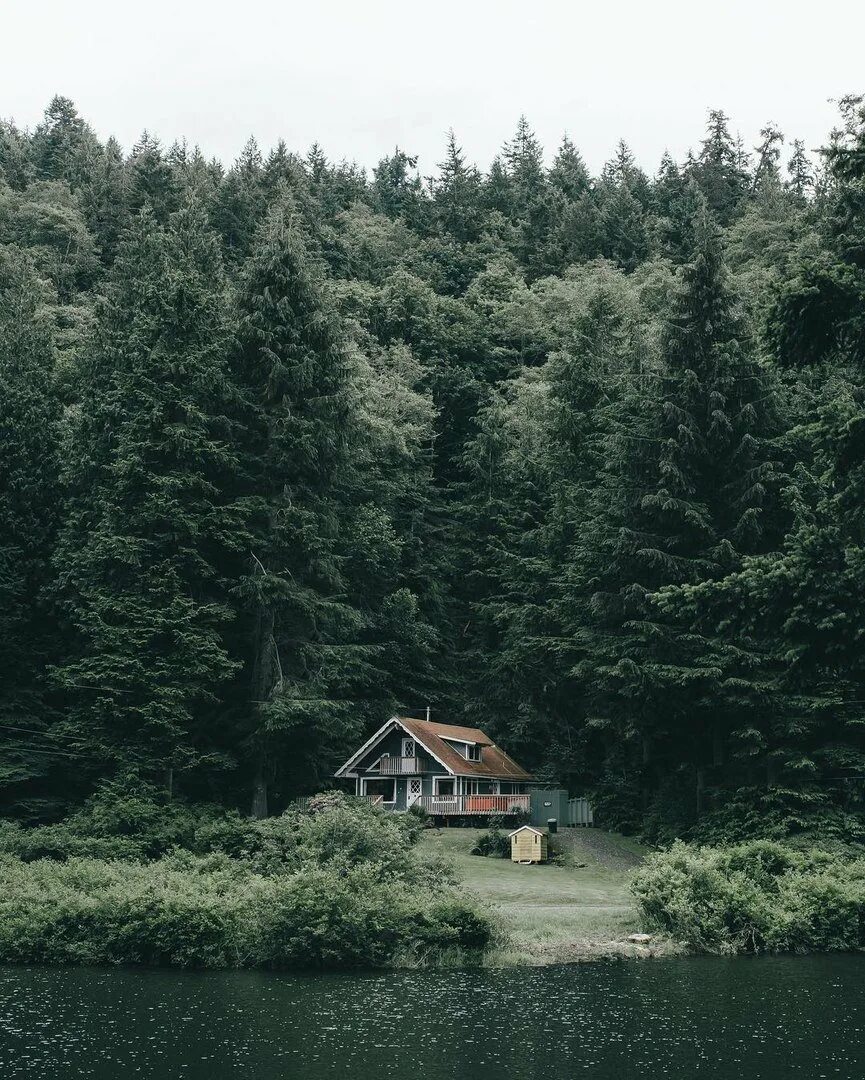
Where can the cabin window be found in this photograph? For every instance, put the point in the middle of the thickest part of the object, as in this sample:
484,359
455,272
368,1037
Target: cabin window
386,788
444,787
408,748
473,753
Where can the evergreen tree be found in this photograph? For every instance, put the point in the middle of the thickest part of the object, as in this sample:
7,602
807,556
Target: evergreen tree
767,173
569,175
457,195
152,181
29,510
241,203
139,557
719,169
59,139
301,651
800,171
686,491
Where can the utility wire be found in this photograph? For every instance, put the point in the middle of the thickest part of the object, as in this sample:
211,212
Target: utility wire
45,734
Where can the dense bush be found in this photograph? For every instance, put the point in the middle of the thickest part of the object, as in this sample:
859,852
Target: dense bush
492,843
757,897
193,911
333,885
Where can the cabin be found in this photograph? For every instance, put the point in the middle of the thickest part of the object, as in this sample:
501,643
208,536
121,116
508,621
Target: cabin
449,771
529,845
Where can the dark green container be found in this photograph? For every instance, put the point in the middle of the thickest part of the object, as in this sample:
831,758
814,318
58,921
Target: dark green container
549,803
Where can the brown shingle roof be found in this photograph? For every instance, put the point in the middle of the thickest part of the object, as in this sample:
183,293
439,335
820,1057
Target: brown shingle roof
494,762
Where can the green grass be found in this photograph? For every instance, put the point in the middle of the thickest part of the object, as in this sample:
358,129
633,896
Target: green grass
553,914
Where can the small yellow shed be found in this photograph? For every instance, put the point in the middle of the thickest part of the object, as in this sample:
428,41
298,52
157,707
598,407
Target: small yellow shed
528,845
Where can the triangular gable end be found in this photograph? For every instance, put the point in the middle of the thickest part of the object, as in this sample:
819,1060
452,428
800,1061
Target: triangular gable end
384,730
525,828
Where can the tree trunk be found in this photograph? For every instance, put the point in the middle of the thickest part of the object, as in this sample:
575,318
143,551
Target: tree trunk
259,792
718,744
266,680
700,788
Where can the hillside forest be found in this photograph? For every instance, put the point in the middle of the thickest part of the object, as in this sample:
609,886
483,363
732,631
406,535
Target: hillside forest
288,446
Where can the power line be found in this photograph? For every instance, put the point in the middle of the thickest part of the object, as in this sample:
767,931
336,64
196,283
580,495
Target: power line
45,734
48,753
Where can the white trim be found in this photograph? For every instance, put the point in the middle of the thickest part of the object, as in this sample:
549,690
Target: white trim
531,828
370,743
422,744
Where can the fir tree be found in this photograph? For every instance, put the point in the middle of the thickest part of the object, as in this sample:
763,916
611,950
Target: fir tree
292,371
241,203
30,415
139,557
686,492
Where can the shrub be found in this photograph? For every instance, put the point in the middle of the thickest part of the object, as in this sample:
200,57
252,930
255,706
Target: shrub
211,912
335,887
756,897
493,844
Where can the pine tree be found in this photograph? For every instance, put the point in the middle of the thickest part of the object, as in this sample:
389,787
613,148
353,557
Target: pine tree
241,203
456,192
569,174
30,415
59,139
686,492
302,658
766,172
817,315
152,181
139,557
719,170
800,171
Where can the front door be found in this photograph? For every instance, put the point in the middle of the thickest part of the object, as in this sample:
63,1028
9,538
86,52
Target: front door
413,791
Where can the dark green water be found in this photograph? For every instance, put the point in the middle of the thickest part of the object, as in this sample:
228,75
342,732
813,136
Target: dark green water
743,1019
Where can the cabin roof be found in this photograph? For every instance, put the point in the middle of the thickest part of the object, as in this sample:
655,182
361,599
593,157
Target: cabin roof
494,761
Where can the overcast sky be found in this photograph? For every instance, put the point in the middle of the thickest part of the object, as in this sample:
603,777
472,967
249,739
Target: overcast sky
363,76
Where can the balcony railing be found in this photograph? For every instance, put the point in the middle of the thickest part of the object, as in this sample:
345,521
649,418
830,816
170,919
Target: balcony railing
442,805
400,766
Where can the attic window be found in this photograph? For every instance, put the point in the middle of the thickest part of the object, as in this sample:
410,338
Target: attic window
473,753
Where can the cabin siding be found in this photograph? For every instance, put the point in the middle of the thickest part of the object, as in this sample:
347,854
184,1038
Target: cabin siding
392,744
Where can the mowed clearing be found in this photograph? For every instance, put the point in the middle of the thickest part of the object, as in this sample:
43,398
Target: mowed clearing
581,910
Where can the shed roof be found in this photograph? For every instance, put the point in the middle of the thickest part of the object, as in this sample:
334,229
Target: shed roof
494,762
531,828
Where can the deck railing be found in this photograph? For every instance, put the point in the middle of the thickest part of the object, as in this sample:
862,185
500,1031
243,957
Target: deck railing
399,766
443,805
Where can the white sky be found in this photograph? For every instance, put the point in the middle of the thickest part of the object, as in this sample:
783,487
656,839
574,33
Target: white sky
362,76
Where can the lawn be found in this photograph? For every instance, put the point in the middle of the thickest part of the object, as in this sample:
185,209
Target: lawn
581,910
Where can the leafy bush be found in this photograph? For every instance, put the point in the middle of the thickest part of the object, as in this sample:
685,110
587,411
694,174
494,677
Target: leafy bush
493,844
335,885
189,911
757,897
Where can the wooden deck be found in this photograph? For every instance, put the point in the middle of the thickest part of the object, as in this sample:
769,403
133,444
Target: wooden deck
467,805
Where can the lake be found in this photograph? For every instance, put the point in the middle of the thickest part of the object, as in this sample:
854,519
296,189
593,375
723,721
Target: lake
740,1019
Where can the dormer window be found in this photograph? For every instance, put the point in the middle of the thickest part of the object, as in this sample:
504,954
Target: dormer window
473,752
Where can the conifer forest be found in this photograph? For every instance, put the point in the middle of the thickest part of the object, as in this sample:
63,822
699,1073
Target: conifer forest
287,446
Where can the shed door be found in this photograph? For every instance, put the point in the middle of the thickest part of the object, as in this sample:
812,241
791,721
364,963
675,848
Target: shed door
413,791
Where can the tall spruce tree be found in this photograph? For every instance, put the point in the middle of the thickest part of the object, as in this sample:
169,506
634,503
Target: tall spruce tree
302,655
139,558
685,493
29,512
